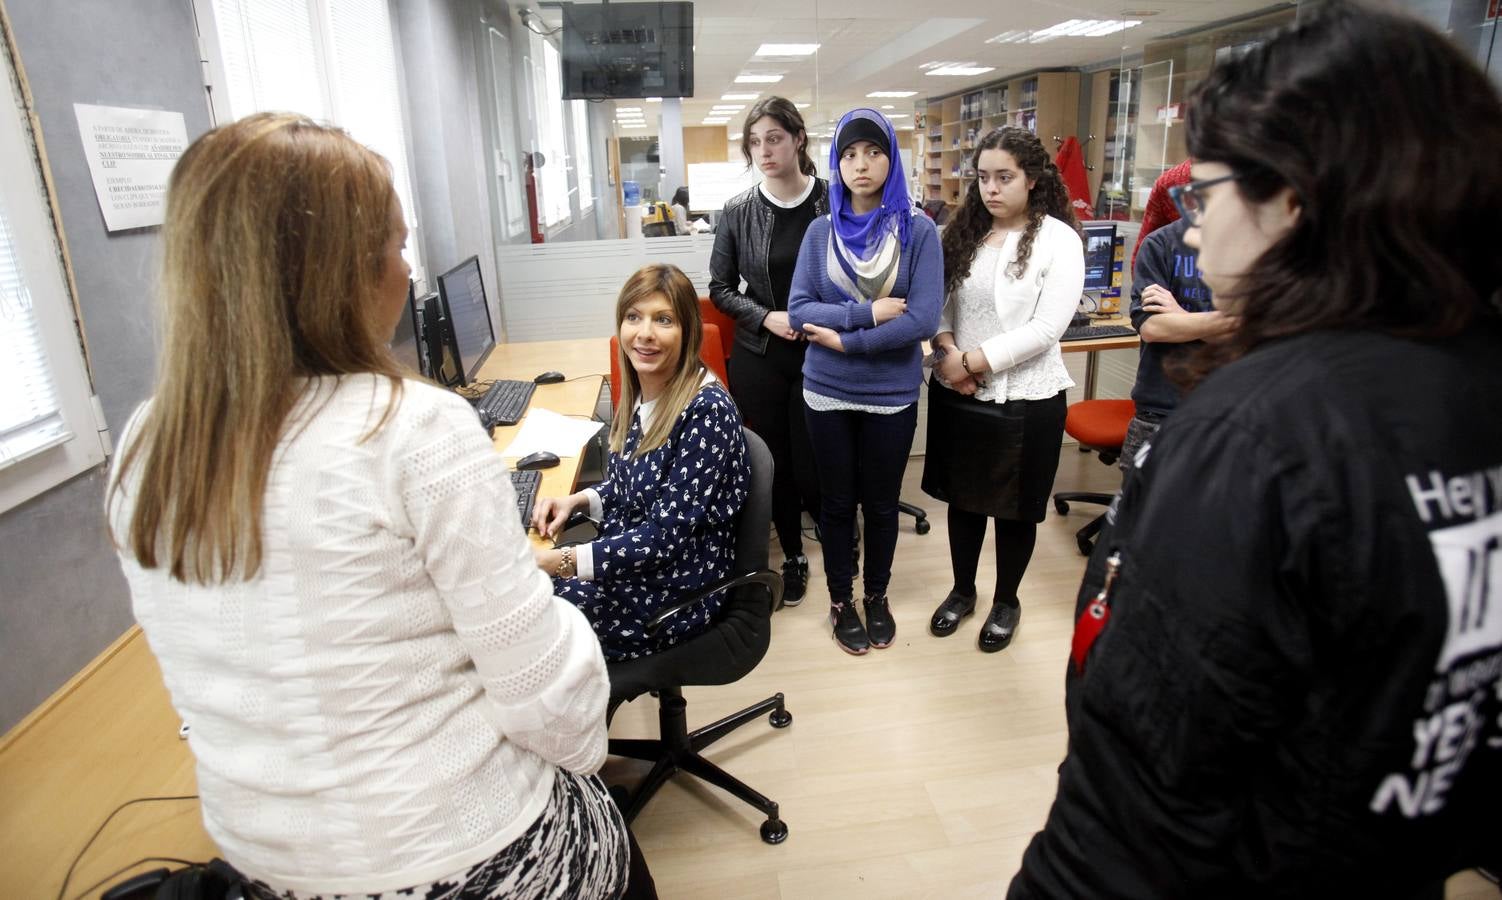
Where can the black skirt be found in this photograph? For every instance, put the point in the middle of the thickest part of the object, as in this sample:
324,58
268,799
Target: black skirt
996,459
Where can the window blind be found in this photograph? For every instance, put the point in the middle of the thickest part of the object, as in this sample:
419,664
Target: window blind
554,175
581,155
31,416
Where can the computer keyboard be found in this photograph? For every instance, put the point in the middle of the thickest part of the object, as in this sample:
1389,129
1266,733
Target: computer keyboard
1090,332
505,402
525,484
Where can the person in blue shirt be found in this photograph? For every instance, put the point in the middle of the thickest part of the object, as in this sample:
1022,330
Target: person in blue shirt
867,290
1172,312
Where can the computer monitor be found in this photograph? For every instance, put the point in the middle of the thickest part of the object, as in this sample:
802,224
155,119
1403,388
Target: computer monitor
406,342
462,294
1100,250
438,342
627,50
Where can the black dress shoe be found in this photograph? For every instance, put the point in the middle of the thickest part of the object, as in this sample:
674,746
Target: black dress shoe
951,611
880,627
1000,626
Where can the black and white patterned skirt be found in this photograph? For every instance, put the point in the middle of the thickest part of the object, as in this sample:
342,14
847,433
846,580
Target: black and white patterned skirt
576,848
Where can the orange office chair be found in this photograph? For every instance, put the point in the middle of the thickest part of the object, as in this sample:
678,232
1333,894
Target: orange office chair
1099,425
712,316
711,353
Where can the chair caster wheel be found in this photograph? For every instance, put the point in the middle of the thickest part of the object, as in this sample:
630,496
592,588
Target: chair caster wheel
774,831
1062,506
780,718
921,526
1085,546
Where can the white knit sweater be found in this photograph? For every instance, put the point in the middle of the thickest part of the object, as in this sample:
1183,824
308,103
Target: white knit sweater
385,702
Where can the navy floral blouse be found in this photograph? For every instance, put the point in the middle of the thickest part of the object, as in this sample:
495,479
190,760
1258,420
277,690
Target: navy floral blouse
668,528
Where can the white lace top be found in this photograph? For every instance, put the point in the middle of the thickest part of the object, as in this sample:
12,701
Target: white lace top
1017,322
384,703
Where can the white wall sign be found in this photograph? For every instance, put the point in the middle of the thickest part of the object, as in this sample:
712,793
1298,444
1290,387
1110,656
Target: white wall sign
131,153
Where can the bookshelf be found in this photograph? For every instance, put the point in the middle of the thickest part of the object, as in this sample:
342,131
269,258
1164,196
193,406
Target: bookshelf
1045,103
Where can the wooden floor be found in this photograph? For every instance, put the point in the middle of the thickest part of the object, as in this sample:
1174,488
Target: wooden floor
922,770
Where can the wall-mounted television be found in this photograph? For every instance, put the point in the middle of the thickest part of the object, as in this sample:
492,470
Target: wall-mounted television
627,50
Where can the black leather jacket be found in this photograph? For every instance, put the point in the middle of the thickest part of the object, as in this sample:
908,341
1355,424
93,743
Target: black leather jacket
742,242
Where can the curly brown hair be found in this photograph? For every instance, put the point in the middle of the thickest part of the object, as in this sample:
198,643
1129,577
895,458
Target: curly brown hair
970,226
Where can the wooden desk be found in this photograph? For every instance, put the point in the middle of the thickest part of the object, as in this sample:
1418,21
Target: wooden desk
110,734
584,364
1093,347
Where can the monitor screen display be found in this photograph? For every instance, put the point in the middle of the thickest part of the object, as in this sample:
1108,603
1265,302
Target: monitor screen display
1100,251
627,50
404,344
468,315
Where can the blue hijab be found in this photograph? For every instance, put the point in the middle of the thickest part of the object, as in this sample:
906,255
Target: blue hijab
859,240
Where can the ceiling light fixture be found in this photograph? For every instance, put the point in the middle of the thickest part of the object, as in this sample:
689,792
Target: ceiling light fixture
757,79
1070,28
739,96
729,107
621,109
960,69
894,94
786,49
803,105
715,121
654,99
1010,37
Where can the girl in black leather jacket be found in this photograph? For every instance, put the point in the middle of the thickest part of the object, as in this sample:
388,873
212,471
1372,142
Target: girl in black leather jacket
756,242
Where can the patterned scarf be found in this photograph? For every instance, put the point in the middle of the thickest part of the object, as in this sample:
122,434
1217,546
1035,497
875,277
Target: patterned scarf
865,248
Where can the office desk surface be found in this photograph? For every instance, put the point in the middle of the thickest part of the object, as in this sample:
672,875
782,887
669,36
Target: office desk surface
584,363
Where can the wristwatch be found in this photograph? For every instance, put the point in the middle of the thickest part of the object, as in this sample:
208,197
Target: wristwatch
567,566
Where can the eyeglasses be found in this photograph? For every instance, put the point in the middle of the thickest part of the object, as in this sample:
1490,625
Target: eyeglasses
1189,200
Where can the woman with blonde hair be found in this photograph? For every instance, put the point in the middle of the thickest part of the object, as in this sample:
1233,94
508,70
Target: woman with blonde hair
384,694
676,480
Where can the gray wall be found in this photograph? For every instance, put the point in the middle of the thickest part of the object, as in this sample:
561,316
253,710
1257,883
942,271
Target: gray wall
64,598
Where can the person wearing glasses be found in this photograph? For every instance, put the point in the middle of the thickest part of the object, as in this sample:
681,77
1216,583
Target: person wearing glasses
1286,676
1014,267
1172,312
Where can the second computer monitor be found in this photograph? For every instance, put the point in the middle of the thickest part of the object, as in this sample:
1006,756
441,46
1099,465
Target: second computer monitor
1100,251
406,342
468,314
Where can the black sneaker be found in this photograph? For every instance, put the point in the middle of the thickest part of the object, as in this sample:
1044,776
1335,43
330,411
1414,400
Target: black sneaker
794,580
879,625
849,633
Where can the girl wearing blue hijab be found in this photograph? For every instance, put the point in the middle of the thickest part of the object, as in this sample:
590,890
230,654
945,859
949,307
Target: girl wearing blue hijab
867,290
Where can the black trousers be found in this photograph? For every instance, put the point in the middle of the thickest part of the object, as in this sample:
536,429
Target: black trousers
769,391
861,459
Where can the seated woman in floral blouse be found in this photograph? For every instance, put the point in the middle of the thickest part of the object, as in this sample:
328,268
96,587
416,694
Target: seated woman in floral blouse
677,478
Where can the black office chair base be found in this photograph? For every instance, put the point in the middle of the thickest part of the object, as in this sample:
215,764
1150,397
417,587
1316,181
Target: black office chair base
679,750
1084,539
919,514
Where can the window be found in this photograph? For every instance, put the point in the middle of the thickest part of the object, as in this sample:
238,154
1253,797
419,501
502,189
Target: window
550,135
582,170
48,429
331,60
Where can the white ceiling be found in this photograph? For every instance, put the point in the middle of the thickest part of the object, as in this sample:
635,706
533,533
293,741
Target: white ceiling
879,45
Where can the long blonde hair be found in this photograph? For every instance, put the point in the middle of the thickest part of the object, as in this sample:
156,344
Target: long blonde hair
273,247
670,282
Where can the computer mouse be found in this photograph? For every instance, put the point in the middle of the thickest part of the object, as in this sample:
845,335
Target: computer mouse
549,378
542,459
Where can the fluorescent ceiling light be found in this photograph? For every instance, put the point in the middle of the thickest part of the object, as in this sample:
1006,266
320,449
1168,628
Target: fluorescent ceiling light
1070,28
803,105
654,99
960,69
642,125
622,109
1009,37
736,136
786,49
729,107
892,94
757,79
715,121
896,115
739,96
904,128
887,106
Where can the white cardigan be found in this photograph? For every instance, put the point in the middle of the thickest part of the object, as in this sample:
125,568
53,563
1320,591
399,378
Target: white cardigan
385,702
1034,311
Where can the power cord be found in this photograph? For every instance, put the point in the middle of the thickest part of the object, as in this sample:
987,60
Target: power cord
62,891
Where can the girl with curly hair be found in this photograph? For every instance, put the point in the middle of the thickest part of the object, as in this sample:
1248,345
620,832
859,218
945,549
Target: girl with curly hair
1014,267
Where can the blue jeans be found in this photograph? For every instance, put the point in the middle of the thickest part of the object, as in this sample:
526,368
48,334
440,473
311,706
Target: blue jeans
861,457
